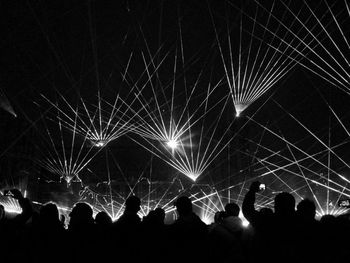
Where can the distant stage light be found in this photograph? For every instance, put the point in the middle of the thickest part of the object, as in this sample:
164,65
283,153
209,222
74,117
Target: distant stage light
99,144
193,175
240,107
172,144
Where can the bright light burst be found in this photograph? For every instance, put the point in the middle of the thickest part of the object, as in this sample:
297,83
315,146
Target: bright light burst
173,144
189,147
179,119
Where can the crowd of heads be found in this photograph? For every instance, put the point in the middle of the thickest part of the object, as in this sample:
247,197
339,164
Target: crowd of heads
287,233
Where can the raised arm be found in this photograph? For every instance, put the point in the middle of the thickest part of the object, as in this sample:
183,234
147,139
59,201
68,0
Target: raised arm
248,208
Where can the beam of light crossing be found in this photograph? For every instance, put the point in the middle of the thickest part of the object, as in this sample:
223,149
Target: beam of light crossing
65,157
328,58
258,69
100,125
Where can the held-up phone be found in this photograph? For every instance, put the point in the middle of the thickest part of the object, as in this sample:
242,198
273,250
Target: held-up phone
262,187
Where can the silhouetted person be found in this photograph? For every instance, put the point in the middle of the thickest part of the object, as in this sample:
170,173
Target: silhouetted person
306,210
82,233
26,206
49,216
103,219
2,214
5,236
284,205
80,216
278,232
219,216
188,233
231,220
128,230
48,236
154,235
265,211
18,228
130,217
159,215
225,235
220,240
308,230
104,234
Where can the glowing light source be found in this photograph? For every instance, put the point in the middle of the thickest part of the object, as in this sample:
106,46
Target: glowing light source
99,144
240,107
173,144
207,220
197,130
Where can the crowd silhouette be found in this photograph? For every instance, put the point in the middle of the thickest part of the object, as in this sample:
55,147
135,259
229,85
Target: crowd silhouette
288,233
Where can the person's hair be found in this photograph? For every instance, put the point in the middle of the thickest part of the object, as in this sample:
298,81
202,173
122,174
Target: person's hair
132,204
102,218
232,209
219,216
49,212
306,208
266,211
284,204
183,205
82,211
2,211
160,214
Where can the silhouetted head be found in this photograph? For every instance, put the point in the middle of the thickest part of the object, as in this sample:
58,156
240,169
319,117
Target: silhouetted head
81,215
232,209
102,218
265,211
159,213
2,212
306,209
49,213
150,218
183,205
219,216
284,204
328,220
132,204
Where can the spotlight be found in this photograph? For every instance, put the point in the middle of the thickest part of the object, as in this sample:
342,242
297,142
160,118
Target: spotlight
172,144
99,144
